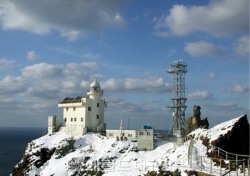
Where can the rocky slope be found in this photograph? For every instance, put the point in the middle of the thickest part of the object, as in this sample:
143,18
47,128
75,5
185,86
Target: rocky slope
64,154
231,136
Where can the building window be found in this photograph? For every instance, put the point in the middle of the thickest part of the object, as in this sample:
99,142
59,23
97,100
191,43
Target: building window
148,133
67,109
97,105
97,116
75,119
65,119
71,119
74,108
141,133
82,119
129,135
110,134
89,108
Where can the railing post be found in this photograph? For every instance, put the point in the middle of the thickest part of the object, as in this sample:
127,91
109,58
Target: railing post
248,166
218,153
243,165
191,160
171,164
236,165
210,166
201,163
229,167
220,167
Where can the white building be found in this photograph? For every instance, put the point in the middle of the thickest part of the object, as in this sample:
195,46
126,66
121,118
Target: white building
122,134
83,114
145,139
144,136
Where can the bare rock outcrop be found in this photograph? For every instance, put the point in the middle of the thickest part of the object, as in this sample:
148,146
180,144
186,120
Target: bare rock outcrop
235,140
195,121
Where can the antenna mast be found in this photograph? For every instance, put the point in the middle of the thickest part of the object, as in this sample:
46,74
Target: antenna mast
178,70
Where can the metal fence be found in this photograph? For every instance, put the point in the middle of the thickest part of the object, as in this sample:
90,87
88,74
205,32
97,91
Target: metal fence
225,163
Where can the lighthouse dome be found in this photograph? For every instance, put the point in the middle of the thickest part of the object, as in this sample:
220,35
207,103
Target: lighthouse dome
95,85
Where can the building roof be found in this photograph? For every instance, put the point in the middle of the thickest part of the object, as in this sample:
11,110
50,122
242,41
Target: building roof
72,100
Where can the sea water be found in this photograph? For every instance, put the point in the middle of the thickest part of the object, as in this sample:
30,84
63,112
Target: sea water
13,142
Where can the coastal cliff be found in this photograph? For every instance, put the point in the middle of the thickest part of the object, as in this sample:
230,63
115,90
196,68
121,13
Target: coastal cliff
63,154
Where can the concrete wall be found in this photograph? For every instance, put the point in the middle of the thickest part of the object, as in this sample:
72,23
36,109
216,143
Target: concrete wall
145,139
76,131
52,124
74,116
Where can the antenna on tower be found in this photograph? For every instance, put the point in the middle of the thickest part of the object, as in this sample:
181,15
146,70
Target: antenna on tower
178,107
121,131
121,125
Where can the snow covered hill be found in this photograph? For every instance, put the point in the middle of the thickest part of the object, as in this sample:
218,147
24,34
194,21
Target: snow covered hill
62,154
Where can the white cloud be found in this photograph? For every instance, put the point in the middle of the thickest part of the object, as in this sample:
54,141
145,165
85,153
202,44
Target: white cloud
85,65
225,107
221,17
6,100
42,70
155,84
41,86
200,95
71,35
48,81
137,114
14,18
45,70
211,75
69,18
239,89
31,55
202,48
75,71
242,47
85,84
41,91
11,85
91,56
68,84
6,63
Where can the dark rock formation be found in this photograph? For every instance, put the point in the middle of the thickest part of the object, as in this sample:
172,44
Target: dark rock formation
237,139
22,167
43,156
195,121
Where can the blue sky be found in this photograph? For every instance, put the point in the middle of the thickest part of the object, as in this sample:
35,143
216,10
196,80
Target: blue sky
53,49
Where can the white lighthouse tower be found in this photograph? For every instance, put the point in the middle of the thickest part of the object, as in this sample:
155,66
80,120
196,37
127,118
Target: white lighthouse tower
83,114
96,105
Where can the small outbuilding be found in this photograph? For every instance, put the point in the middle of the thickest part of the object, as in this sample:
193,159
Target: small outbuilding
145,139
